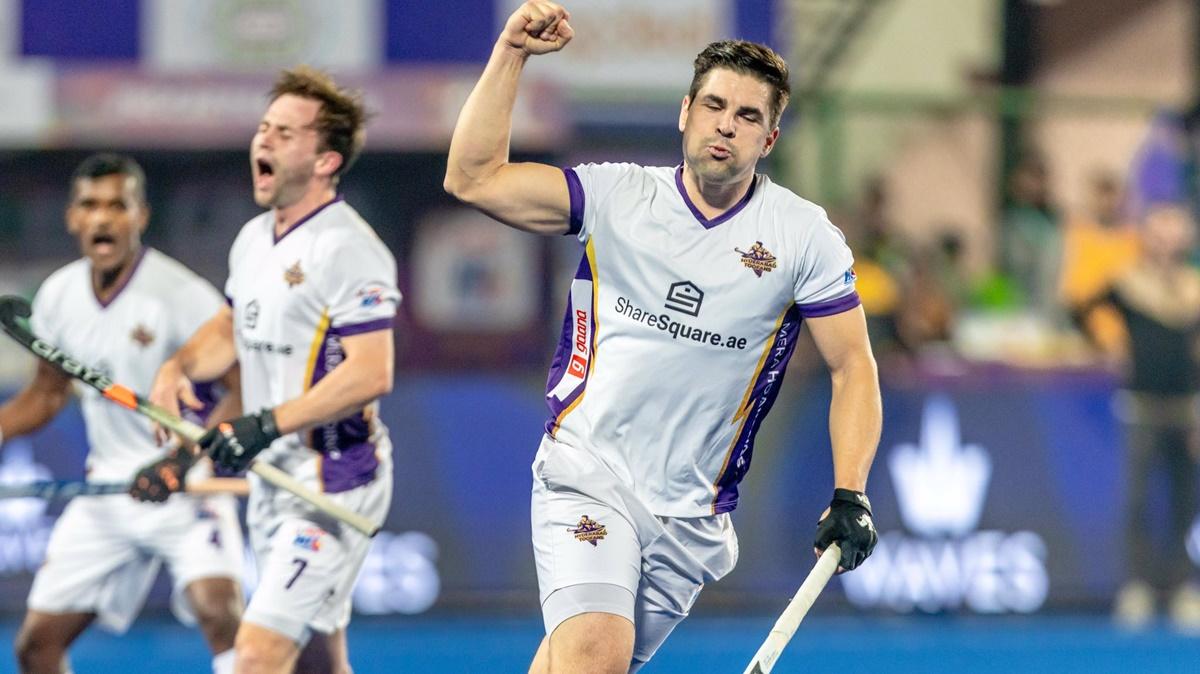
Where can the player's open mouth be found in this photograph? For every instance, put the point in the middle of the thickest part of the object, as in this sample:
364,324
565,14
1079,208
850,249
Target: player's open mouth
264,173
103,243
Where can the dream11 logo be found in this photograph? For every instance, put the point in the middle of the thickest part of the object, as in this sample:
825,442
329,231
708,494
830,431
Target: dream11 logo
943,562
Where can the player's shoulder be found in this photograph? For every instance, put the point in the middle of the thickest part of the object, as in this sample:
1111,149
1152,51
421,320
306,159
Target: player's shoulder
791,205
344,227
163,267
58,285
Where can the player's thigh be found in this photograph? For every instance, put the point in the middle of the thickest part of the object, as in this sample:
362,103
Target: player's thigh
325,654
260,650
43,632
598,643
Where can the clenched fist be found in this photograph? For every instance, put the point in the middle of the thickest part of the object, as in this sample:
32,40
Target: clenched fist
537,28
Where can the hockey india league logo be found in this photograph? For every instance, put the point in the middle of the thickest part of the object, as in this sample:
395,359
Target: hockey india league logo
946,563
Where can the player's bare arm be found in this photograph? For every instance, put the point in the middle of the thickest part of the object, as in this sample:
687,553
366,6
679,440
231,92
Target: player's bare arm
207,356
855,418
39,402
528,196
365,374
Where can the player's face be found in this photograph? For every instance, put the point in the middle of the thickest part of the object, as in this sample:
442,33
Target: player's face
727,128
108,217
283,154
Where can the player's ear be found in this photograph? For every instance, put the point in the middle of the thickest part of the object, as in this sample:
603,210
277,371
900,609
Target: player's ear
770,144
683,112
328,163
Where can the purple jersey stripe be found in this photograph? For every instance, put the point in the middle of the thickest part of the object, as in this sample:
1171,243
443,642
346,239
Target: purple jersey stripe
762,397
733,210
345,469
830,307
229,301
565,350
308,217
360,328
347,456
575,191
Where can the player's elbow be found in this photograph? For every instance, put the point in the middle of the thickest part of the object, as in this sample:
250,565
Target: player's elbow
457,185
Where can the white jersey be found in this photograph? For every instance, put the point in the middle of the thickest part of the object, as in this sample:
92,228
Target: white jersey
128,338
294,298
679,328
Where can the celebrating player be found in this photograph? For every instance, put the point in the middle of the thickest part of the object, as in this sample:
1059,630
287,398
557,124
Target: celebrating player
682,317
125,307
311,299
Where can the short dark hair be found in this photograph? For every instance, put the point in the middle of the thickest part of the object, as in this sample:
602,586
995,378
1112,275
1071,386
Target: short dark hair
110,164
341,122
747,58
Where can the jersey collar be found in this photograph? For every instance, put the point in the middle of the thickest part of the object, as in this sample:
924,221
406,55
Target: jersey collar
104,304
305,219
733,210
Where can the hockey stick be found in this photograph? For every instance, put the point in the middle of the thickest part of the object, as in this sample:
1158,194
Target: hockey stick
789,620
12,308
67,489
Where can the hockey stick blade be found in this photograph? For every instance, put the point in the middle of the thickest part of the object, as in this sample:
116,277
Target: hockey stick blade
12,308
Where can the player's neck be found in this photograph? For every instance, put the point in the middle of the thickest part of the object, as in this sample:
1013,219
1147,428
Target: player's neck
286,217
106,283
713,198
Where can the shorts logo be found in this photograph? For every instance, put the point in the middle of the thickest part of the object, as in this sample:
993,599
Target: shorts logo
370,296
142,335
588,531
684,297
757,259
850,277
293,275
309,538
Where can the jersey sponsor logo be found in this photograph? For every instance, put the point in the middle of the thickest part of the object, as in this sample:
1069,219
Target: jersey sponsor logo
263,346
581,340
849,277
142,335
309,538
685,297
588,531
250,315
370,296
757,259
579,353
677,329
293,275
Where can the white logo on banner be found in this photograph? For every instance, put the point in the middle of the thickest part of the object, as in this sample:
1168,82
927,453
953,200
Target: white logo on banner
941,486
24,525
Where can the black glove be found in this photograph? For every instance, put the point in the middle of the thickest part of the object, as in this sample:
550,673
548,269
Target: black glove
234,444
156,481
848,524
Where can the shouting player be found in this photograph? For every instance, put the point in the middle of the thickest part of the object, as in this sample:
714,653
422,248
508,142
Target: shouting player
311,300
682,317
125,308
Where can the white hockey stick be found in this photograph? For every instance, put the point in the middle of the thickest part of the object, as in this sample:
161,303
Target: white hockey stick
764,660
67,489
12,308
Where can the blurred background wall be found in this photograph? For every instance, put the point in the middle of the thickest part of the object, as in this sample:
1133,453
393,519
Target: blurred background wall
927,128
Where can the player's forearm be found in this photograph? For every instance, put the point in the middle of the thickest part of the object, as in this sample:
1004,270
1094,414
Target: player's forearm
346,390
30,410
210,352
855,419
481,137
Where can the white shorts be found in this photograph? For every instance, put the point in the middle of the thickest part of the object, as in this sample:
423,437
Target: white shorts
590,529
105,552
308,562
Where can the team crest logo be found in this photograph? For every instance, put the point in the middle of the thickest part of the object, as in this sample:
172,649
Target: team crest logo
293,275
142,335
588,530
757,259
309,538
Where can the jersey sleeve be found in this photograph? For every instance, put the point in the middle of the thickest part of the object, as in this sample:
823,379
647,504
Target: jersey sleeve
825,278
360,286
590,186
202,301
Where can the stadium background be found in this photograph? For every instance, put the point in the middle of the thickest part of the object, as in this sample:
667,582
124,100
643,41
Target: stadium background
998,482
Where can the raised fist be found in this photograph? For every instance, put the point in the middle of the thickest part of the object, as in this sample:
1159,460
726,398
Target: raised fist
538,28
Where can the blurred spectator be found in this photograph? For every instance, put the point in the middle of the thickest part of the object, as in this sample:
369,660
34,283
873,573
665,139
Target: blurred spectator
936,289
1099,246
880,264
1032,240
1159,300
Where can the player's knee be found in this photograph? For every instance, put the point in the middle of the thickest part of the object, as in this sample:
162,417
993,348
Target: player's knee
258,651
38,651
596,644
